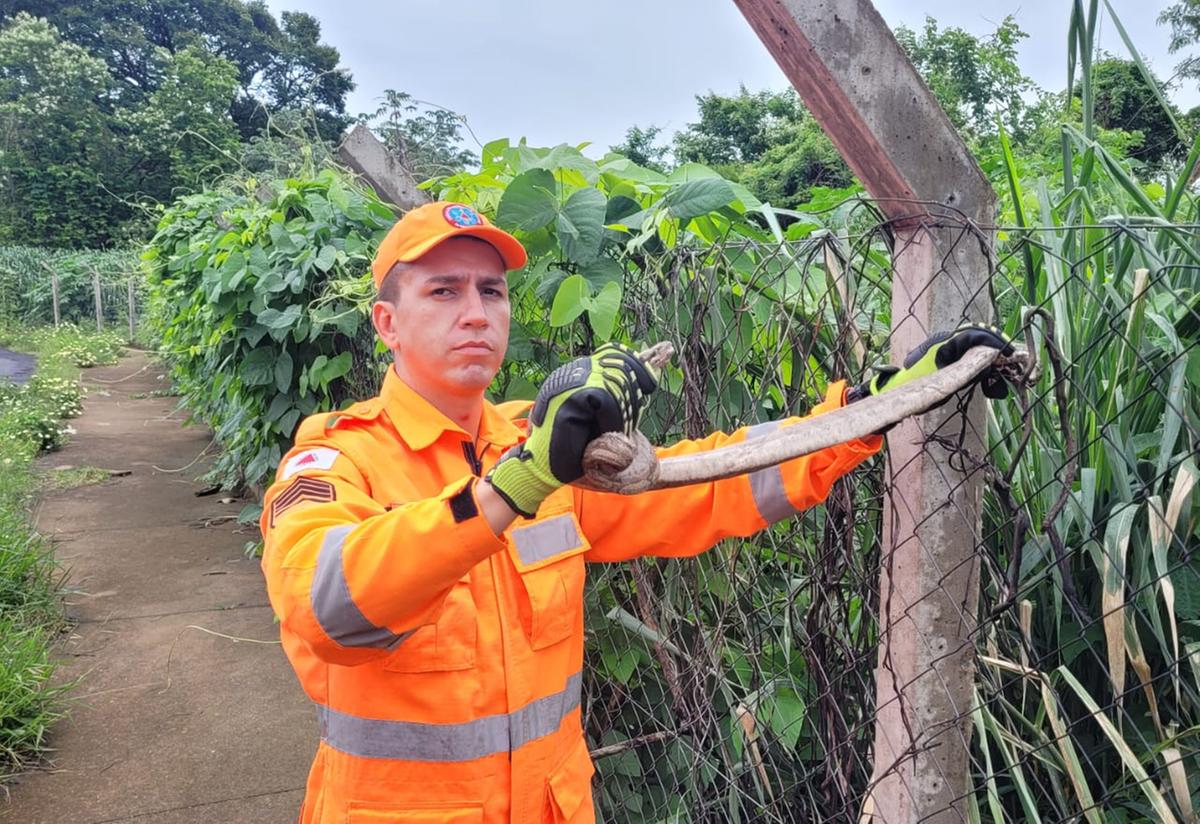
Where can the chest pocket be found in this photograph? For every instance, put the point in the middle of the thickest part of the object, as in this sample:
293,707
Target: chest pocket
548,555
447,644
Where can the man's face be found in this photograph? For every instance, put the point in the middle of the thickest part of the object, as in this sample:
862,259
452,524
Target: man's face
448,328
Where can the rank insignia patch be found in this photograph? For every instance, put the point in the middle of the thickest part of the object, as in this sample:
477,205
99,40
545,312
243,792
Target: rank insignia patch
301,489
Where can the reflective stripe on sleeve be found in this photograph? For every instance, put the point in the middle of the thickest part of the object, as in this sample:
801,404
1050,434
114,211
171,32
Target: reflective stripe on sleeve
333,606
417,741
766,484
547,538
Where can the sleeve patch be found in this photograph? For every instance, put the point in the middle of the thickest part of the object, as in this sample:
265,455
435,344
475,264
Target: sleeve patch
301,489
319,458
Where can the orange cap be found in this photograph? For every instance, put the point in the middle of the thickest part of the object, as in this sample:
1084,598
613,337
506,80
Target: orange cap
426,226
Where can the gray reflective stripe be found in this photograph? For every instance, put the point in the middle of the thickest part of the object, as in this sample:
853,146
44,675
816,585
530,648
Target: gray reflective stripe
766,485
416,741
547,538
332,605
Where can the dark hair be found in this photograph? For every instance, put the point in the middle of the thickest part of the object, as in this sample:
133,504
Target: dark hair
389,290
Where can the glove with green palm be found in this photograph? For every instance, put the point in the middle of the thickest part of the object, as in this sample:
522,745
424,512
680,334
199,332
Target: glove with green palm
938,351
581,400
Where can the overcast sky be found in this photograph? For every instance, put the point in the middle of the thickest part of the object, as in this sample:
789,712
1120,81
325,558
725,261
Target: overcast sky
573,71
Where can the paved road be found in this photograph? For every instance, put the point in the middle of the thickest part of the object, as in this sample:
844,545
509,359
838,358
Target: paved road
15,366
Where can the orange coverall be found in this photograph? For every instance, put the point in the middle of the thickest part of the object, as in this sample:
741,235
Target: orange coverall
444,661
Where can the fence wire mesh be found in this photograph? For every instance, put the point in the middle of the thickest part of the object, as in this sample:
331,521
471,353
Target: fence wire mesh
27,291
741,685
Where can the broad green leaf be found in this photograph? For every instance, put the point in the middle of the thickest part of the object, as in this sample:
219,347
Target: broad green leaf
283,371
569,301
275,320
581,225
258,369
698,197
602,271
529,202
691,171
337,367
603,308
786,717
326,257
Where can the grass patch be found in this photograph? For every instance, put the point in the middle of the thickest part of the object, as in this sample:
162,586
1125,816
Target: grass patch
56,480
33,420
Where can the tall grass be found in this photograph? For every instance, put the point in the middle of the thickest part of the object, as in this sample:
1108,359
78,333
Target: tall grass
31,421
1090,706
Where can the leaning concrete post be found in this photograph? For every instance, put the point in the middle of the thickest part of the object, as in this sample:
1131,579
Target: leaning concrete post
856,80
386,174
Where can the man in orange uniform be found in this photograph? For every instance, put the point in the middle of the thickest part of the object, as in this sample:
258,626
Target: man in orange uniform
440,637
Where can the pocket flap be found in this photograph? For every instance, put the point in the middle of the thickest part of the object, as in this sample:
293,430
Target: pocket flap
546,541
571,781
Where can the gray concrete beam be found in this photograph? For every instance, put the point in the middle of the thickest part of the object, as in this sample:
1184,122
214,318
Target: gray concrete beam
862,89
380,169
856,80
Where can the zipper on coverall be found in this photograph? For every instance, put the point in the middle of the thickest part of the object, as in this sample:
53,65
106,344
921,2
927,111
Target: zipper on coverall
472,459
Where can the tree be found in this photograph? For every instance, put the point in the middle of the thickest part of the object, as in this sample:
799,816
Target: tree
1184,19
279,67
639,146
804,158
59,155
1125,100
428,138
975,80
183,135
736,130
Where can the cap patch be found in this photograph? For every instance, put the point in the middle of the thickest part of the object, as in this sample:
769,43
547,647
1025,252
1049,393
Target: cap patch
462,216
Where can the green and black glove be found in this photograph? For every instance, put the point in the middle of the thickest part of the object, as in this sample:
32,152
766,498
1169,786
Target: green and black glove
579,401
939,351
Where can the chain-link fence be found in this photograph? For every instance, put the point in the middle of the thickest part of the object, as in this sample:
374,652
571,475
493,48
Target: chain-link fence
742,685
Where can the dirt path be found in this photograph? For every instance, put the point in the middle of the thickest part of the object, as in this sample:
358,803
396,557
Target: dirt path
222,735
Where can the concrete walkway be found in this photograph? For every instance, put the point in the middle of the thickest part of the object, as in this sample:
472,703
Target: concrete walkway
170,723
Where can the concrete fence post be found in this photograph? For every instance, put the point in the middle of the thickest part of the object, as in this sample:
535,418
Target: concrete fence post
856,80
54,296
99,301
132,318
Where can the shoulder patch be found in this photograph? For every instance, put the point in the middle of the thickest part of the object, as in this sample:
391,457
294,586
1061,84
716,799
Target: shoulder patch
300,490
320,457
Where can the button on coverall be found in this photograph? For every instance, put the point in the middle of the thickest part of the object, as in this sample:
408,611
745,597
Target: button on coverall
444,661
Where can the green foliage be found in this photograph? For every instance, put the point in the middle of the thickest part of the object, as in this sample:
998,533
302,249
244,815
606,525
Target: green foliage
85,144
639,146
1124,100
183,135
31,421
589,227
257,294
58,146
281,65
27,293
427,138
1183,17
977,81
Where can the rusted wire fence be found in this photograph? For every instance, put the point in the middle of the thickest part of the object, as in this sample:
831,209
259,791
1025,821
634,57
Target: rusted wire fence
741,685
